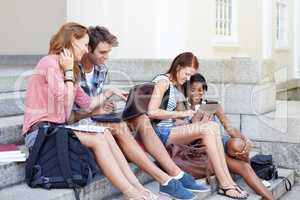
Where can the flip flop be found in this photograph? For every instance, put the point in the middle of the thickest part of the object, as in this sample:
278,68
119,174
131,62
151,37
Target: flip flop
224,192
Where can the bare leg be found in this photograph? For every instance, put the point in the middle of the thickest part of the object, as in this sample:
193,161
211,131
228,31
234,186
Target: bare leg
107,162
136,154
153,144
207,132
222,154
244,169
123,164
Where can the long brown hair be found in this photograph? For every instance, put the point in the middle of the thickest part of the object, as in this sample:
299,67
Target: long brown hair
63,39
181,61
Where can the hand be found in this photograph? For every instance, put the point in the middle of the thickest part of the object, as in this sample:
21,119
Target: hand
180,122
243,157
121,93
106,108
202,117
66,60
187,113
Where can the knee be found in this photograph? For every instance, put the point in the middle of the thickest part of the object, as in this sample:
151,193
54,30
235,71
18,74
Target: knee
209,129
97,140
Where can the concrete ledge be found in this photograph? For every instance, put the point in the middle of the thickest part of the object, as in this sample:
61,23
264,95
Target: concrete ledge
282,125
10,130
11,104
11,173
99,189
289,90
244,98
245,71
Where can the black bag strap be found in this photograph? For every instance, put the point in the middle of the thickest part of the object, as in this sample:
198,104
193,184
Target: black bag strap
287,183
30,162
62,145
165,99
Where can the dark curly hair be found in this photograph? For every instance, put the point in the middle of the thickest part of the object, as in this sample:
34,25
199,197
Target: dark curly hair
196,78
99,34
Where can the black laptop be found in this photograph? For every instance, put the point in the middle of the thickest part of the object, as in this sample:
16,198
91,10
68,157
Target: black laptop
136,104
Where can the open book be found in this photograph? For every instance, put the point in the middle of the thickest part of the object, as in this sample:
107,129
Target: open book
88,128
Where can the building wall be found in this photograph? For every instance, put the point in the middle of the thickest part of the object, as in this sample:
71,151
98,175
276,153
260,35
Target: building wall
26,26
146,29
284,58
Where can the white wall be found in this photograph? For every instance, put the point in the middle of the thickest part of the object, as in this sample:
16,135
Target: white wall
27,25
145,29
283,58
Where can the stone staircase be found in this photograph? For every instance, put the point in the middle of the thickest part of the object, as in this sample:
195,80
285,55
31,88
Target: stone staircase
12,90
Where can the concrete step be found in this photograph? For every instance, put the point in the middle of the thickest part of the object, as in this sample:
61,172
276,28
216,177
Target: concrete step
13,78
277,188
99,189
12,103
10,130
293,194
13,172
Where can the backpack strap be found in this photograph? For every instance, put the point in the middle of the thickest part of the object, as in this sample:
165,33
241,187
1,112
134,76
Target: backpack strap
165,99
30,162
287,183
62,145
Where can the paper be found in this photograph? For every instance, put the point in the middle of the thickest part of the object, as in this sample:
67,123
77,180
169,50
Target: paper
88,128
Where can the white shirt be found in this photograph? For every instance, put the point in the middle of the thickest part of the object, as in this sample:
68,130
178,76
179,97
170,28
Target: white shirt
89,78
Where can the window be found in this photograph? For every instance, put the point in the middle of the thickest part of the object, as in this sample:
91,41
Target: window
225,24
281,24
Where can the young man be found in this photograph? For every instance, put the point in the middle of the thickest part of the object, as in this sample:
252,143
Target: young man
175,182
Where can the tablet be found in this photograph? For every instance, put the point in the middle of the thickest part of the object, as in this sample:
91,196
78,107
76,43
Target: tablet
209,108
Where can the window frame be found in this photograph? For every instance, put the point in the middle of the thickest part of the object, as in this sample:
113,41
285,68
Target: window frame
282,27
223,40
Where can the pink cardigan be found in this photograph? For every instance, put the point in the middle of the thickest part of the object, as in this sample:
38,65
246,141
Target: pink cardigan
46,92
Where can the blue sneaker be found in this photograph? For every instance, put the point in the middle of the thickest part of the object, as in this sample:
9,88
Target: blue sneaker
189,183
175,190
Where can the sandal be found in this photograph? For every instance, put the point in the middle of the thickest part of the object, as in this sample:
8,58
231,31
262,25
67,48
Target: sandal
224,192
241,190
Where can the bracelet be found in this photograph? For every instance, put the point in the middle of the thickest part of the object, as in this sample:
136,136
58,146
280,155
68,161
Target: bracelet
69,80
68,70
69,73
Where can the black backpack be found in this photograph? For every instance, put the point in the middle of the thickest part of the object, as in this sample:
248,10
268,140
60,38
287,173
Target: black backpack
59,160
265,169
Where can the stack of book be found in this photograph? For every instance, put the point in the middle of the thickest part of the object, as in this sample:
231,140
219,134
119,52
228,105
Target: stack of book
11,153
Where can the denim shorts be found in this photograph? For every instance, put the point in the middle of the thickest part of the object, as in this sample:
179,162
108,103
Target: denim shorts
163,132
225,139
30,138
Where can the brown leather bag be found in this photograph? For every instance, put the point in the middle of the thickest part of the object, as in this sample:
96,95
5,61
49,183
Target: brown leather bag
192,159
